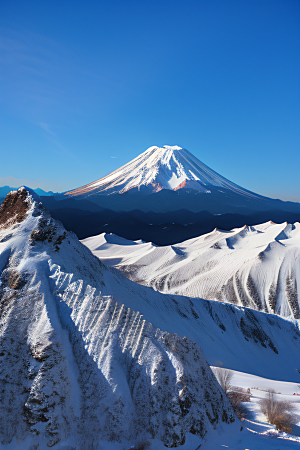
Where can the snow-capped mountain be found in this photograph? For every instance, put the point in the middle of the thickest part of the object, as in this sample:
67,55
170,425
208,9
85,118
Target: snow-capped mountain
158,168
90,359
257,267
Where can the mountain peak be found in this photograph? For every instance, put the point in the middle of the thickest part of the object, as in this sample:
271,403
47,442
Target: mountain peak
165,147
172,147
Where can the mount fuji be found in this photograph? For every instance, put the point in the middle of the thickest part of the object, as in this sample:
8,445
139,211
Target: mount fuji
167,167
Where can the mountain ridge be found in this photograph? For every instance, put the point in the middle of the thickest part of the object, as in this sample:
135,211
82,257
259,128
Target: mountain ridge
4,190
81,368
253,266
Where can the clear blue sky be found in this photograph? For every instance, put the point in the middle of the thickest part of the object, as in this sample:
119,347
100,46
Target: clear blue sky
88,85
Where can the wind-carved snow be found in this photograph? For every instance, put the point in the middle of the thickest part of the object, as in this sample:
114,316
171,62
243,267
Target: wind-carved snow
257,267
167,167
140,365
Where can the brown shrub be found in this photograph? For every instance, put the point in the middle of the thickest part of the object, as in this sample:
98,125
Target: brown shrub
278,413
237,396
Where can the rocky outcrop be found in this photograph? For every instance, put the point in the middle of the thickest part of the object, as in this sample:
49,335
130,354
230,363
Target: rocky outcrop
14,208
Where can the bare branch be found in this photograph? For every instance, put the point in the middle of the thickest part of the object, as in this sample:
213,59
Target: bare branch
224,377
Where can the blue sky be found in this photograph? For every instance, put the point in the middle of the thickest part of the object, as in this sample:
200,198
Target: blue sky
88,85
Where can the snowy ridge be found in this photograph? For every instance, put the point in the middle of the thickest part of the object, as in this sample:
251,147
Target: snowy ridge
80,368
257,267
167,167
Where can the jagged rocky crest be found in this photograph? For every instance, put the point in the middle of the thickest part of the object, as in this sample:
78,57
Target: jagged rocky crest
77,367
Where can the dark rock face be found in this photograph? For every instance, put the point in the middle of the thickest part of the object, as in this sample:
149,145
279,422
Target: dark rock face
252,330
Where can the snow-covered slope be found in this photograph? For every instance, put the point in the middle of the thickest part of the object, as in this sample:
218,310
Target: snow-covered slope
257,267
90,359
167,167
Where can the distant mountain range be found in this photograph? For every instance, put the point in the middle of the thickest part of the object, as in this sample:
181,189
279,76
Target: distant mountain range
4,190
166,228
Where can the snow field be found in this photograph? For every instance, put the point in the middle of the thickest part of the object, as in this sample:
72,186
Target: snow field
257,433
